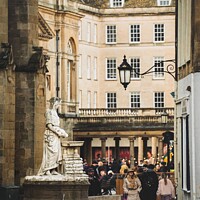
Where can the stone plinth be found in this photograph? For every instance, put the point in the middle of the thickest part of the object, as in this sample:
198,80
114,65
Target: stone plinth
55,187
73,184
73,164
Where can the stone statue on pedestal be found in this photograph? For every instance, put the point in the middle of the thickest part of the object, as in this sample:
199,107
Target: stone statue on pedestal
52,154
48,183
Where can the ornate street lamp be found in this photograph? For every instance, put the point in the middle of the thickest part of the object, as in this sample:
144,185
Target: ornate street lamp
125,73
125,70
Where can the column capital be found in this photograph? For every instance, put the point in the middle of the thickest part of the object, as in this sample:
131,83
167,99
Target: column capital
117,138
145,138
103,138
160,139
132,138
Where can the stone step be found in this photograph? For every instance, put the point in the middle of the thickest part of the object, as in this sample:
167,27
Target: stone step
105,197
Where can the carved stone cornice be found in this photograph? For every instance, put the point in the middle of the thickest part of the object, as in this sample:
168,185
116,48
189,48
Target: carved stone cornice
44,31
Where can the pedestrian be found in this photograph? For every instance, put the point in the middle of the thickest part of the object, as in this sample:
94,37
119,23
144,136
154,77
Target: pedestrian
149,180
131,186
165,188
94,187
123,166
103,182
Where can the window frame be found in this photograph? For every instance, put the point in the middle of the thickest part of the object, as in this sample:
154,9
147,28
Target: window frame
156,102
113,100
136,66
113,3
158,33
111,38
95,33
136,95
95,68
159,2
132,34
159,67
88,31
112,75
80,66
89,67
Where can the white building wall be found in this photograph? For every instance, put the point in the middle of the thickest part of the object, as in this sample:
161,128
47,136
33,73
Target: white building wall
192,110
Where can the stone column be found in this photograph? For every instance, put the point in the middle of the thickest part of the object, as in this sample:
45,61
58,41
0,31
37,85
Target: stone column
160,148
117,148
103,147
154,147
145,139
88,150
140,149
132,155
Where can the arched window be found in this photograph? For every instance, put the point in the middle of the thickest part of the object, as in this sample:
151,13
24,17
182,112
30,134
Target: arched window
69,48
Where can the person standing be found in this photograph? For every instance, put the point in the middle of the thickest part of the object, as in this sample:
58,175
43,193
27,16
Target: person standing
149,180
52,155
132,186
165,188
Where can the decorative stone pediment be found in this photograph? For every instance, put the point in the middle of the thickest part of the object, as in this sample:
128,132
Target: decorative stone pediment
44,32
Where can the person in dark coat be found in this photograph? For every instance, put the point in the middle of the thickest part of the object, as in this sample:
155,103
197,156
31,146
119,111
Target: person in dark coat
94,188
115,167
163,167
149,180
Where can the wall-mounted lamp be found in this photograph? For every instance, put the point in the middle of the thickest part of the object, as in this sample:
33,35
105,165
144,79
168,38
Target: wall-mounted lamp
125,70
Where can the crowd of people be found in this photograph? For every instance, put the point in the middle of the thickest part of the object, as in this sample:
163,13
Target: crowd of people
140,182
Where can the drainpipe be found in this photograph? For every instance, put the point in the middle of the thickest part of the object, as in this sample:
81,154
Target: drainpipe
57,63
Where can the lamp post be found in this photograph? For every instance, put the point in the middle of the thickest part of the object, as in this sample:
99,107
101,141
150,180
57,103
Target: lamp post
125,70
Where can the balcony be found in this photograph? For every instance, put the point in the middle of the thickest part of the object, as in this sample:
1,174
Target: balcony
122,119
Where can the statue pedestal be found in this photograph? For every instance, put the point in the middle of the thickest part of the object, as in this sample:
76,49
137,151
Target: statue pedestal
73,184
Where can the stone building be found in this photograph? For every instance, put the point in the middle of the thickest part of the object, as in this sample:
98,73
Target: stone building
187,100
72,49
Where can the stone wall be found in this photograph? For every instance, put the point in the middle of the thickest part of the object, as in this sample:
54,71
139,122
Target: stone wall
7,106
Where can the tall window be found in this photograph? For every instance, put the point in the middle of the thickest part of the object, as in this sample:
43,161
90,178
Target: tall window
135,99
68,80
89,99
80,67
134,31
95,33
95,68
80,30
95,100
158,67
135,63
116,3
111,34
111,68
111,99
88,67
80,98
159,100
89,32
164,2
185,140
159,33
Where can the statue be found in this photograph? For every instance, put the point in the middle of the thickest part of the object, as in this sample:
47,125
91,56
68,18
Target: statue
52,155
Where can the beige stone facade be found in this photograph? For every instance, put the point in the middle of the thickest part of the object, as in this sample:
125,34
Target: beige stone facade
72,64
